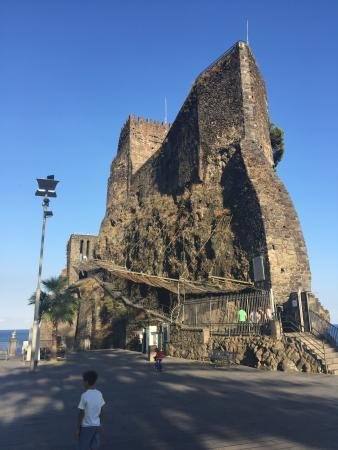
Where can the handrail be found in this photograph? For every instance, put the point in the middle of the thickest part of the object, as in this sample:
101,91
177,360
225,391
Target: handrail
299,329
325,329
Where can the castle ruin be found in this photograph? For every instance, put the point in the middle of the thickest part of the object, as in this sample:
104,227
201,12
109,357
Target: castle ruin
199,199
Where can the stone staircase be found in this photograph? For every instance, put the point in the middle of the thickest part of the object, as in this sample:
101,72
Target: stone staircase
323,350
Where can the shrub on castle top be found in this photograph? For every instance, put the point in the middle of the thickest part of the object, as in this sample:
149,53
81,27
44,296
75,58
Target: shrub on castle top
277,143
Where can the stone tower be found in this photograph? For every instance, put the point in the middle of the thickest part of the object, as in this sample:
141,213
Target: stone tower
80,248
202,197
139,140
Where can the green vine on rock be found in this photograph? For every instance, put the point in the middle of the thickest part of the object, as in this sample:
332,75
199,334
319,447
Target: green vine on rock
277,143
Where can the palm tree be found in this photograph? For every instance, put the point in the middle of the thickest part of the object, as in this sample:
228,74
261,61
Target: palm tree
57,305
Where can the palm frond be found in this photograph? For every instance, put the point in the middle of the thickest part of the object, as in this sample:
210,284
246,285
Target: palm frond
57,303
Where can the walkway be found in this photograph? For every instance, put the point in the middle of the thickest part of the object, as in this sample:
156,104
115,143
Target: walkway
188,406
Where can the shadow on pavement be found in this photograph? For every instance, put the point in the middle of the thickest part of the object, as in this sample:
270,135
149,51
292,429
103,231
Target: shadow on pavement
188,406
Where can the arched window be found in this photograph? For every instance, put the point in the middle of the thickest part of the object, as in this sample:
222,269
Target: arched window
81,250
87,251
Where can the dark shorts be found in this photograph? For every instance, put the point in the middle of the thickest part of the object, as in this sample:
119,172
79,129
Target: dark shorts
89,438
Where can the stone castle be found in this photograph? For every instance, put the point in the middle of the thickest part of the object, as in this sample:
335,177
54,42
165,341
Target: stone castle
199,198
209,175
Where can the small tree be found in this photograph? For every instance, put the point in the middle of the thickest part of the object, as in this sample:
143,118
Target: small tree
277,143
57,305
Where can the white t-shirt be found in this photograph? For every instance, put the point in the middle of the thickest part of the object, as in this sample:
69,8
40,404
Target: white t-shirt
91,402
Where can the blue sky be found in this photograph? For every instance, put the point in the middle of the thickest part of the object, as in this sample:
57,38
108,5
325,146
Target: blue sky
72,70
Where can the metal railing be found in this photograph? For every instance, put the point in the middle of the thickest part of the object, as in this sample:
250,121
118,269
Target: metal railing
3,345
305,337
4,349
323,328
222,312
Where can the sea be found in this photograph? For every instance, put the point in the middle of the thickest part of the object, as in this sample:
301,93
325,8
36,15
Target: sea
21,335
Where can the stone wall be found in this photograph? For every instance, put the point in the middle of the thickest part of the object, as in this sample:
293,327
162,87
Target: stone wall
146,137
118,181
284,245
139,140
263,352
93,321
80,247
105,321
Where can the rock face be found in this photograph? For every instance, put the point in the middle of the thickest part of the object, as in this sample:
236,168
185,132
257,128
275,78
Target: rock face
202,197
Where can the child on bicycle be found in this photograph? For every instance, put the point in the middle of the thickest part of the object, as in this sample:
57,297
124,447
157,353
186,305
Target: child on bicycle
159,355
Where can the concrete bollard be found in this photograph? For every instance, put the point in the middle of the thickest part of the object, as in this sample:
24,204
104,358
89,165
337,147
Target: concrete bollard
12,345
275,328
205,335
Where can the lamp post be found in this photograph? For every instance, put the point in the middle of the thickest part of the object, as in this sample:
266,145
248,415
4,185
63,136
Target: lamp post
46,189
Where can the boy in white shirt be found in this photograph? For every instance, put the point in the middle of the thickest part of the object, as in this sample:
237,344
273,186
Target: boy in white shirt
90,414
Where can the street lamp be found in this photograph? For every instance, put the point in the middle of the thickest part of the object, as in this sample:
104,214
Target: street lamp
46,189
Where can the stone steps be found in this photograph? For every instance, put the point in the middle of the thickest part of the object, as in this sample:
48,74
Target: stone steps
316,346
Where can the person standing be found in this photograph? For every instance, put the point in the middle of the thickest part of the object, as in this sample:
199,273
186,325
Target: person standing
242,315
159,355
89,423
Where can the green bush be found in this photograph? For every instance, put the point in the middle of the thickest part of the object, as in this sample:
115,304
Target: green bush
277,143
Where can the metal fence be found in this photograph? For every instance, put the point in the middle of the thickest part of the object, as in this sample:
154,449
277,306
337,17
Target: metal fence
233,313
4,349
322,328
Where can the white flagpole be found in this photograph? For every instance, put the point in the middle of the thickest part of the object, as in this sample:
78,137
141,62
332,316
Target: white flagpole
165,110
247,31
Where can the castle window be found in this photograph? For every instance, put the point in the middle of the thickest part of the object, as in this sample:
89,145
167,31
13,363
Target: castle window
81,250
87,251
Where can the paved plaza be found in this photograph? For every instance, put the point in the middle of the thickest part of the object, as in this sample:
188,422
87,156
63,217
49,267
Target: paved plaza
188,406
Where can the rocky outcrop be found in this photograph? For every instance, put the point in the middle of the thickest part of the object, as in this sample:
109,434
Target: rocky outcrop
202,196
262,352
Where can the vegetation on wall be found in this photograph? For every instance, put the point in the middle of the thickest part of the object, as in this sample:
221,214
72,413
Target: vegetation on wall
277,143
112,311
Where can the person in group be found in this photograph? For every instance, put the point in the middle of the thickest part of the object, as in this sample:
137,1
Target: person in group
268,313
242,315
262,315
159,355
89,423
254,316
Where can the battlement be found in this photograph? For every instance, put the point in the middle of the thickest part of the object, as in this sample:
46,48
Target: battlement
140,124
142,120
